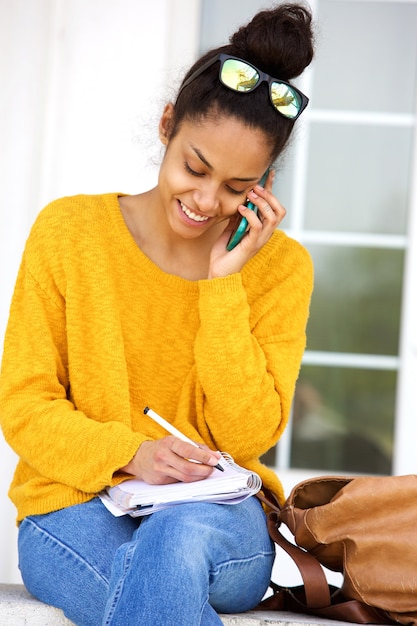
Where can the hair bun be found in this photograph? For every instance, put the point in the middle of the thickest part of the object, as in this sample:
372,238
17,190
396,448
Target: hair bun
278,40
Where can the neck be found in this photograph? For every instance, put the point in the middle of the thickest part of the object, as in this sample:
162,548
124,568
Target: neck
146,221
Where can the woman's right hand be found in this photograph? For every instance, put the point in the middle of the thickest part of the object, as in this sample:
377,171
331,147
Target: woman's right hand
261,227
171,460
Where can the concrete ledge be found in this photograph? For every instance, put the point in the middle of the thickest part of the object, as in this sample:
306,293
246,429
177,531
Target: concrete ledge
19,608
276,618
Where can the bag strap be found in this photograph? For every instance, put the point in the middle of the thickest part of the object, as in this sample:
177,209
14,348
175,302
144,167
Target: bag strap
269,499
316,596
315,583
316,587
343,610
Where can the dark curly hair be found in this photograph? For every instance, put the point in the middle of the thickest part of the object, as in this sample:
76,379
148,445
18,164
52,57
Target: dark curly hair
278,41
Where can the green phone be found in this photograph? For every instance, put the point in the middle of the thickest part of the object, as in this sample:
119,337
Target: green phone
242,225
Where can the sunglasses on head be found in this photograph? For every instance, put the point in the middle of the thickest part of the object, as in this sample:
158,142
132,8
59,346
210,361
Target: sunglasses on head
243,77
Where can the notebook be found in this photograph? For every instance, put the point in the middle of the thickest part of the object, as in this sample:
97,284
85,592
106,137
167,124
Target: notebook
136,498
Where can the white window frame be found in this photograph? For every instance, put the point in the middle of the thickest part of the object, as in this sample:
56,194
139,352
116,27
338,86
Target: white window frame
405,420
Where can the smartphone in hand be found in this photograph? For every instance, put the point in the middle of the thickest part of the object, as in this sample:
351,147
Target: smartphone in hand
242,225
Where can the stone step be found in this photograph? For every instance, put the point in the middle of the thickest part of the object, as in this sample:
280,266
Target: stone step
19,608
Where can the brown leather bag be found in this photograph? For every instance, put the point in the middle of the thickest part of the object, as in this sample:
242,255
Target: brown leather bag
364,527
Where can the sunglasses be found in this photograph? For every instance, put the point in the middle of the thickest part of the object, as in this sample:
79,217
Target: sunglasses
243,77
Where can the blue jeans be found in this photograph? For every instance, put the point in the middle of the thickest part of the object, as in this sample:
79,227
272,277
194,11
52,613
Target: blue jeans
177,567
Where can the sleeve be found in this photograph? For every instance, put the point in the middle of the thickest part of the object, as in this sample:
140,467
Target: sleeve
38,419
248,353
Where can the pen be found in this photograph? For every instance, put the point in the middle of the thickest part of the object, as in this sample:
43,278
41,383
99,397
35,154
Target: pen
174,431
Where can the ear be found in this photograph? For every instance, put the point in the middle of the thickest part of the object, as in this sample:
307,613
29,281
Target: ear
165,124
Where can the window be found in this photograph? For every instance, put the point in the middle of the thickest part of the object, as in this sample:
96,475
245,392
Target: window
349,185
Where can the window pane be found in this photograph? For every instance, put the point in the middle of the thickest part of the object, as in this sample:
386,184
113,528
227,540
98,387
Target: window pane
356,301
343,420
219,19
283,183
366,54
358,178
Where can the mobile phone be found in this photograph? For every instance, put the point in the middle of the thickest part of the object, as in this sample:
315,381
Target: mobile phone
242,225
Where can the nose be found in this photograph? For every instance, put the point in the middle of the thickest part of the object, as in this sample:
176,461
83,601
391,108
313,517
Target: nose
206,198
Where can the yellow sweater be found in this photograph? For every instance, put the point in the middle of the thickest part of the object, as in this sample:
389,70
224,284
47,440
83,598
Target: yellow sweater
97,332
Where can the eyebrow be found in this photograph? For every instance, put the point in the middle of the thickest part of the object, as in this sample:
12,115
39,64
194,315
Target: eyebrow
203,159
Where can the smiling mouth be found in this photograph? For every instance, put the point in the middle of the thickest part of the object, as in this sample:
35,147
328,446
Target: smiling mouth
193,216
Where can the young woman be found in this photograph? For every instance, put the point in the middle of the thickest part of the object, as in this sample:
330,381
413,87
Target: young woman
127,301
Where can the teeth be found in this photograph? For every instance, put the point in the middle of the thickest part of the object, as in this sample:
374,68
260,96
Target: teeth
193,216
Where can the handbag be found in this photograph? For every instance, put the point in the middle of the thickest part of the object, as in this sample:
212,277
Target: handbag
365,528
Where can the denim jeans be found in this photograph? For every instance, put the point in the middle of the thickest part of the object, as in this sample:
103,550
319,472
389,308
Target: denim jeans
177,567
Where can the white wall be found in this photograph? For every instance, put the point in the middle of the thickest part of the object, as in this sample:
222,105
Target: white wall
82,87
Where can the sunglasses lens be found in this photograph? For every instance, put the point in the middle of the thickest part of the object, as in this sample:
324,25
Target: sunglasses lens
238,75
286,100
244,77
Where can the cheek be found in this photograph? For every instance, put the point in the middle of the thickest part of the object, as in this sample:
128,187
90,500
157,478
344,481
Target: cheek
230,205
171,180
175,176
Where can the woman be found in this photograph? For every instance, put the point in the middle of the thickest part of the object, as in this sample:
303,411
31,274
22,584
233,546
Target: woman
124,302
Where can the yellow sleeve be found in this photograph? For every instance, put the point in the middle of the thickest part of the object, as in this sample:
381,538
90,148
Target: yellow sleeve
248,352
54,441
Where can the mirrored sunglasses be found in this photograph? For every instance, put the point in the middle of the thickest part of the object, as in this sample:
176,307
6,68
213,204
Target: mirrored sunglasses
243,77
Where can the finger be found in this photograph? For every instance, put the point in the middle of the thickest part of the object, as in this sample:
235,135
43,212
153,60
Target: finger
264,205
192,461
271,213
269,208
199,454
187,470
179,469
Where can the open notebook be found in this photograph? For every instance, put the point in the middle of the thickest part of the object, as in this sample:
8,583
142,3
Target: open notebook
135,497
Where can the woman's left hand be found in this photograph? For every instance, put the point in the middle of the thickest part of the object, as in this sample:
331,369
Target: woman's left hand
261,226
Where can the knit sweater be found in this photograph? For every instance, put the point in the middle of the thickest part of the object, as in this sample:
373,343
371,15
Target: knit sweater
97,332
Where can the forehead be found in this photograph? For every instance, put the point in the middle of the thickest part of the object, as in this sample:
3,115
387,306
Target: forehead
226,138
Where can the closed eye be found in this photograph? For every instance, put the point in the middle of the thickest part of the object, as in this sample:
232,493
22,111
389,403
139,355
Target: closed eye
236,192
191,171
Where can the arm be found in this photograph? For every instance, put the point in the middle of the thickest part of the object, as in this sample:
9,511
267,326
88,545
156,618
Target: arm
81,447
249,349
38,417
